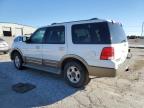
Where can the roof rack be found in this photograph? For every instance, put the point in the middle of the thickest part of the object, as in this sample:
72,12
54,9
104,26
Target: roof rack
93,19
76,21
53,23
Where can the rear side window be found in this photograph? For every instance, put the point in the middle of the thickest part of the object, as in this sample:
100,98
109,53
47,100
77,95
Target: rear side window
91,33
117,33
55,35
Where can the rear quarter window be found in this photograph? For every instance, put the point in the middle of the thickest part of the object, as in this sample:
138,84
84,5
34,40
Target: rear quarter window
91,33
117,33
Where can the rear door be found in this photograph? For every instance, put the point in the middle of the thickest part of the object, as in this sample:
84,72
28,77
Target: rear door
54,47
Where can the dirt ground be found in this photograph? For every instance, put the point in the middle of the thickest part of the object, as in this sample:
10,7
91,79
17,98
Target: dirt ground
124,91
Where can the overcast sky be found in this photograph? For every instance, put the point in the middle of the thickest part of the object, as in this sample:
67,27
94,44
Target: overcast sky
44,12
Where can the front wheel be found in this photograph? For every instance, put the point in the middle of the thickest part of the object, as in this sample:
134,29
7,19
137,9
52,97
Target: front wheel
75,74
18,61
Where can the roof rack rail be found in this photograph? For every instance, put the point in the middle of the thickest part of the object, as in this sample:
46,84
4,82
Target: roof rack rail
76,21
93,19
53,23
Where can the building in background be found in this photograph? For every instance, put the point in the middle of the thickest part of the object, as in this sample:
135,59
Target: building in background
13,29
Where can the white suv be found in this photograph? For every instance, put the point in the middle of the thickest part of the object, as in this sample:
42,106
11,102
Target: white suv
75,49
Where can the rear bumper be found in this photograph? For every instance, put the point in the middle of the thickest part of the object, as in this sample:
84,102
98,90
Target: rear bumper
107,72
102,72
4,50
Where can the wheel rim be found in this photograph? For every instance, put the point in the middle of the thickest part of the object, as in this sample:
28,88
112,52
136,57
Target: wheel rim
73,74
17,61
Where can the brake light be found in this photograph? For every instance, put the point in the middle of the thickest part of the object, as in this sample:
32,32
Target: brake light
107,53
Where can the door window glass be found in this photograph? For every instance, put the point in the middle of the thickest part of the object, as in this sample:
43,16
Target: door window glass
55,35
37,37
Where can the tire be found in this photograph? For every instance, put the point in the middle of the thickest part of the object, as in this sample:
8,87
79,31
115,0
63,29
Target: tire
75,74
5,52
18,61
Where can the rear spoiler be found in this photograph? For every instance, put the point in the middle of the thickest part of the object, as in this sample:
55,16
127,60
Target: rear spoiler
115,22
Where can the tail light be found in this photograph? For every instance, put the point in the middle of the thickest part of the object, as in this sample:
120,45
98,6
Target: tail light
107,53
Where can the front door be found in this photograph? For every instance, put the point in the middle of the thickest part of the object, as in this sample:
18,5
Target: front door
32,49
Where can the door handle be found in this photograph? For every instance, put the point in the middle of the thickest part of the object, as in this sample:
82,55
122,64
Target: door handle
37,47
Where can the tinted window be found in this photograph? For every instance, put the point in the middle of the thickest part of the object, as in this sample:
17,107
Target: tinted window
55,35
93,33
117,33
37,37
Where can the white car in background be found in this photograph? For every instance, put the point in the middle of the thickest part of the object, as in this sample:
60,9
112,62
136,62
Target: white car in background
74,49
4,47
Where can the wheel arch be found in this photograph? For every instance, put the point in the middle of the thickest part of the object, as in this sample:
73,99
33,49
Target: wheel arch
15,51
69,58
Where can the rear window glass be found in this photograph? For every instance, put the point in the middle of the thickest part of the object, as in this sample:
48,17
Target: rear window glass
91,33
117,33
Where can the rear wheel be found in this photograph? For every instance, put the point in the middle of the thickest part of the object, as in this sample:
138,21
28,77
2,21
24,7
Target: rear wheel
18,61
75,74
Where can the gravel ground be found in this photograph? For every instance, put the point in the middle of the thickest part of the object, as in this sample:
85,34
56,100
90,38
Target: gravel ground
124,91
136,41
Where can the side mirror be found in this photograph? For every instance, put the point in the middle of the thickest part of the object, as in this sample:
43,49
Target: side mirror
25,39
